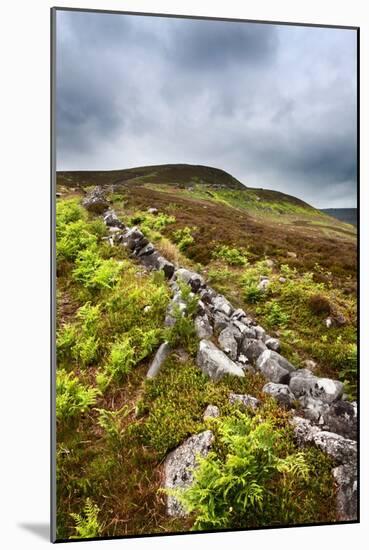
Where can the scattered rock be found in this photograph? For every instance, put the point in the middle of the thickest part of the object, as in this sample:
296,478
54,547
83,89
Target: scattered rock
260,333
347,497
214,363
211,411
292,254
281,393
263,284
245,399
152,210
203,327
312,409
282,279
328,322
180,464
273,344
269,263
160,356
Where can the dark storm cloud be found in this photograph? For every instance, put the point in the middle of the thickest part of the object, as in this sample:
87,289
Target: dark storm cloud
275,106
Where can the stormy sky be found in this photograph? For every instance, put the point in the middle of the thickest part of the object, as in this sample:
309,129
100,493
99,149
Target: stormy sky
273,105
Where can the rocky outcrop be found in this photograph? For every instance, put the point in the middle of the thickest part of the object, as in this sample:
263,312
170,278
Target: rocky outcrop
179,466
347,496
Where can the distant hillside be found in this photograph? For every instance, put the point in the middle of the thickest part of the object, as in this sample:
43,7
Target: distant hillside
179,174
347,215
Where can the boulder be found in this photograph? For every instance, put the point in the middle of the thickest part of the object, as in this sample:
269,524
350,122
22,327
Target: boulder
339,448
222,305
281,393
160,356
304,382
246,400
203,327
180,464
260,333
220,320
228,342
347,497
207,295
134,239
112,220
211,411
274,367
95,201
245,330
273,344
193,279
312,409
214,363
341,417
252,348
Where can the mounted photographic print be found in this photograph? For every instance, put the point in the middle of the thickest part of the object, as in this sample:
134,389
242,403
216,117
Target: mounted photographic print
204,367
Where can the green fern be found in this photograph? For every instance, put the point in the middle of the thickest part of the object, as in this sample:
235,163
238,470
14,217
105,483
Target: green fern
87,523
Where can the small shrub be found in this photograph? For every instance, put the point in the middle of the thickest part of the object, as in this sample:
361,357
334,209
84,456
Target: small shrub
253,294
232,256
87,524
72,397
183,237
276,316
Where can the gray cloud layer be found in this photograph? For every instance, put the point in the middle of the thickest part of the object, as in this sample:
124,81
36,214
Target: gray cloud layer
273,105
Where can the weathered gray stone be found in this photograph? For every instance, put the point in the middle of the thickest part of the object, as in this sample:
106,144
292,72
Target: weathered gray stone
160,356
245,399
341,418
96,201
304,382
245,330
203,327
220,321
263,284
134,239
191,278
228,342
347,497
274,367
260,333
211,411
273,343
146,250
180,464
214,363
165,266
112,220
222,305
312,409
207,294
252,348
281,393
152,210
342,450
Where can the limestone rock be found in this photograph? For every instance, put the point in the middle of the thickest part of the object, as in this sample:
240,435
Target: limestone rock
214,363
274,367
180,464
273,343
341,418
281,393
193,279
228,342
211,411
304,382
222,305
347,497
112,220
244,399
160,356
252,348
96,201
203,327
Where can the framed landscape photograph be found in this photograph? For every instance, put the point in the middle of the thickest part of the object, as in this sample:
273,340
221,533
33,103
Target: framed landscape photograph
204,274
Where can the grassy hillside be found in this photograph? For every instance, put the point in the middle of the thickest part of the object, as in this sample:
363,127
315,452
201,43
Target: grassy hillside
114,426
